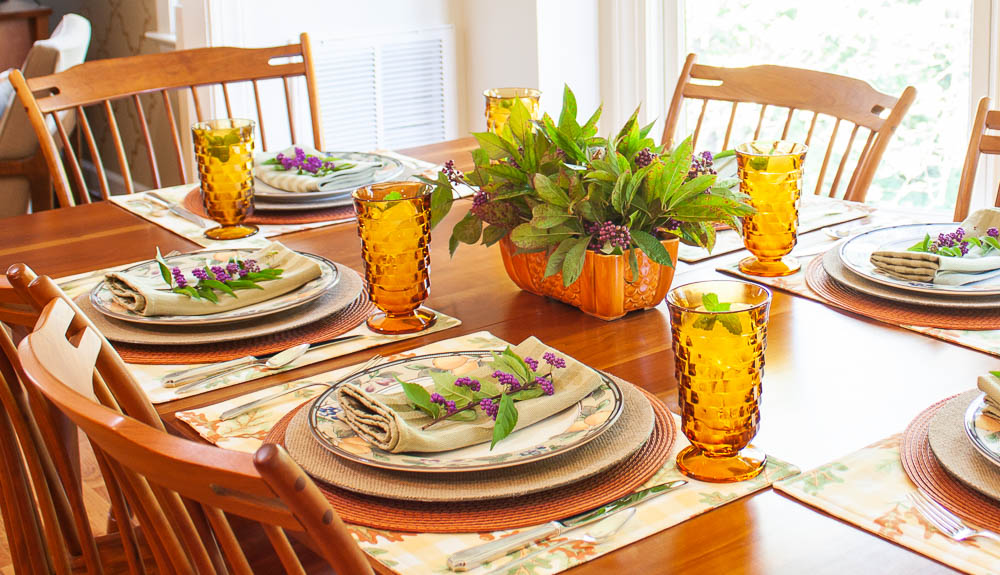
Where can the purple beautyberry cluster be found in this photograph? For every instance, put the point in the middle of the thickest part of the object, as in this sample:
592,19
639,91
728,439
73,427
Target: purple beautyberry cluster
508,379
553,360
672,224
608,232
251,266
502,214
532,363
233,269
440,400
547,387
644,158
952,239
199,273
454,174
472,384
220,274
701,164
179,278
993,232
489,407
311,164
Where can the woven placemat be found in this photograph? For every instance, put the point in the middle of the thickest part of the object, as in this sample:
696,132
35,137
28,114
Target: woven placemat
628,434
894,312
926,472
326,328
192,201
506,513
340,296
954,451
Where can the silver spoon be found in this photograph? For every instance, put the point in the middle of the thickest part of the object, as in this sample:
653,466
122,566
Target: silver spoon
276,361
599,533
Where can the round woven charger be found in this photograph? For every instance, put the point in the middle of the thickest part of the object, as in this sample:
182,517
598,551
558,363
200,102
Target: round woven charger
326,328
622,439
893,312
954,450
926,472
192,201
506,513
336,299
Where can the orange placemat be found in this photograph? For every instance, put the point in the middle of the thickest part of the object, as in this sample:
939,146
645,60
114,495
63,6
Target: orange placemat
894,312
329,327
924,470
192,201
496,514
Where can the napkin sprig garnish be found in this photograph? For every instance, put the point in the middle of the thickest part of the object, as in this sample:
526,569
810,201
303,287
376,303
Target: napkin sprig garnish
236,275
307,164
957,244
514,379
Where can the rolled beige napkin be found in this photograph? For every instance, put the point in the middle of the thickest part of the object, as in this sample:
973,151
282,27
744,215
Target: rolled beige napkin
945,270
389,422
990,385
150,296
291,181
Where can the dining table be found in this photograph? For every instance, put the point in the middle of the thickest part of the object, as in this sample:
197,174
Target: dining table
834,382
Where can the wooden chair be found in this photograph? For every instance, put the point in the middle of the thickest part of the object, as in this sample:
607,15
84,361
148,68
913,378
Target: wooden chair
98,83
847,100
979,143
157,470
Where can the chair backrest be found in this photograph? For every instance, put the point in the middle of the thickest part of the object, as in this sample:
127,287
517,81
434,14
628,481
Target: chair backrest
98,83
268,487
847,100
980,142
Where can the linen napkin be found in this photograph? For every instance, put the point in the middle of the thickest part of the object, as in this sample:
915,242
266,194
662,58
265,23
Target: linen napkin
990,385
389,422
945,270
290,181
150,296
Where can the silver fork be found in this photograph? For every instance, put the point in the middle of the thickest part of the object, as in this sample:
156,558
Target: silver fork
241,409
946,522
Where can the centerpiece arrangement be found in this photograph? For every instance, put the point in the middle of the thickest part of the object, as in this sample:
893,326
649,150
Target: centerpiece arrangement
589,221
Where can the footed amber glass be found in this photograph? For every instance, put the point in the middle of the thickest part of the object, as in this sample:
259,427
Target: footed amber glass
500,101
770,173
394,222
719,361
224,149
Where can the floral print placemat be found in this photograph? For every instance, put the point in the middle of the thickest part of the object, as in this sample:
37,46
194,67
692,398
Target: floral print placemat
424,553
869,488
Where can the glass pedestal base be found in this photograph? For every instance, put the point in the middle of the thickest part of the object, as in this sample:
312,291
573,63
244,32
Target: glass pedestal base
232,232
694,463
417,320
769,269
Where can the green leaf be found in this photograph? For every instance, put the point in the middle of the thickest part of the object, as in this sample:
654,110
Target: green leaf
391,196
469,229
992,242
260,276
467,415
444,383
188,291
555,262
507,172
712,303
519,122
496,147
652,247
508,364
164,268
207,293
506,420
628,126
567,117
590,128
243,284
493,234
921,246
420,398
441,202
216,284
576,256
545,216
527,394
550,192
731,323
523,371
690,189
995,373
529,237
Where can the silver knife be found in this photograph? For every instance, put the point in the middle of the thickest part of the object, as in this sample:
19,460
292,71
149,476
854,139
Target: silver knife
180,211
473,557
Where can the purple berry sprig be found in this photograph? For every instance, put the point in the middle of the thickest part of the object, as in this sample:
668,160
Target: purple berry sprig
307,164
235,275
958,243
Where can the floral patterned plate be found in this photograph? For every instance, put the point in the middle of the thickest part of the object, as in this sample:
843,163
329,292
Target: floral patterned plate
103,301
856,253
559,433
983,430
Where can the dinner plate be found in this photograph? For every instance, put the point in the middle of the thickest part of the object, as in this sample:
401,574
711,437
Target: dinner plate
856,253
391,168
335,202
103,301
835,269
557,434
983,431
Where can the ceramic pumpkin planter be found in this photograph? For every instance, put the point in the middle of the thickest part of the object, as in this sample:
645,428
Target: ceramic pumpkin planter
605,288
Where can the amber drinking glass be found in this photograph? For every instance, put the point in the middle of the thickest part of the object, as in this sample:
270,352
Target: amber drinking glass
770,173
224,149
499,102
394,222
719,361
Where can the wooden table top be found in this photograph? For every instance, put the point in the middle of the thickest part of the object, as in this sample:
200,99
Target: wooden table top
834,382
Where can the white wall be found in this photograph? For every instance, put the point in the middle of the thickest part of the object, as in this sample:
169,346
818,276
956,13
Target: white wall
568,39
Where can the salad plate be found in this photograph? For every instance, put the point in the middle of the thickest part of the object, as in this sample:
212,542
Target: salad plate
388,169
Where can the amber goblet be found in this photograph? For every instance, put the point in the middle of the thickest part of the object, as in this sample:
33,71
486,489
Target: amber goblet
224,149
770,174
394,222
500,101
718,362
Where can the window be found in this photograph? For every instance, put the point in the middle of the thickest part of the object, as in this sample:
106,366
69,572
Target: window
888,43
